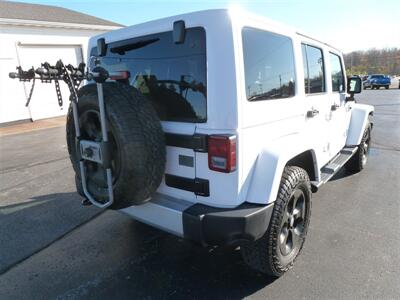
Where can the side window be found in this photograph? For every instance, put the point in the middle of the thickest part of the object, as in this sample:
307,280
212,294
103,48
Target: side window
336,73
268,65
314,69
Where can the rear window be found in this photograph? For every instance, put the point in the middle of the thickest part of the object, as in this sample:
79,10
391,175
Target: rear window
172,76
377,76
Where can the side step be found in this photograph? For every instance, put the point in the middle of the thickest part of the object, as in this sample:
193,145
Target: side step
331,168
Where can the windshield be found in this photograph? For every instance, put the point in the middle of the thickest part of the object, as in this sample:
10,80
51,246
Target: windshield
172,76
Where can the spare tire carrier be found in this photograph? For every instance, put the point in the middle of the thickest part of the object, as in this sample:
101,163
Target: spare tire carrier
141,173
97,152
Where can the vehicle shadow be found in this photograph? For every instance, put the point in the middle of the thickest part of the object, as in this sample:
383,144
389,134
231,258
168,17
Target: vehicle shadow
168,267
141,261
29,226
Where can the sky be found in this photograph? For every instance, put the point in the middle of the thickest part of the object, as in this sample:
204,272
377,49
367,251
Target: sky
349,25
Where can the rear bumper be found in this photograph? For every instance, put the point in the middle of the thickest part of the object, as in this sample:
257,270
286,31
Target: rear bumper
204,224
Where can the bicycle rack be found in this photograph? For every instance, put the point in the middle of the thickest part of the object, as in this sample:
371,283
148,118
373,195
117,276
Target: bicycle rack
93,151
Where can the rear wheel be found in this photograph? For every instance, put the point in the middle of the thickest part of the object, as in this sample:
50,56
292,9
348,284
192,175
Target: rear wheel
275,252
387,87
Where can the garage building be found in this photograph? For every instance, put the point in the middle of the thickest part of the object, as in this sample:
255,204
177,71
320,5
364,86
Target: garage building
31,34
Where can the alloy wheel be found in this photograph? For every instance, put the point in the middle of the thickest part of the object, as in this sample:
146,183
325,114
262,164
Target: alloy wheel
365,147
293,222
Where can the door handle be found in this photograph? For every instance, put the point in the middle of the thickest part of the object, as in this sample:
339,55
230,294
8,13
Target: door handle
312,113
334,107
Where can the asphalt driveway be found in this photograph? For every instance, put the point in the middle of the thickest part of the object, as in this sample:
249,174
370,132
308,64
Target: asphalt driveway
51,247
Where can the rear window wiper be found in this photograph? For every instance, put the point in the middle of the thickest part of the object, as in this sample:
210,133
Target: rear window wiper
258,97
265,97
130,45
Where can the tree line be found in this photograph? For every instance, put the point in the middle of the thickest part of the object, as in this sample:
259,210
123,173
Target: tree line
373,61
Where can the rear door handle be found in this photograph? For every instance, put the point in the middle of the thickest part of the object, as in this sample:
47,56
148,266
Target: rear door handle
312,113
334,107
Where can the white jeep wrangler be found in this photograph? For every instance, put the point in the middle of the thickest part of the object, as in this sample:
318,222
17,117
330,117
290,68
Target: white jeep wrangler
221,125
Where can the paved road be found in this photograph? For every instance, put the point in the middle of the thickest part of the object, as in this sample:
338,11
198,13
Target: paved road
38,203
352,249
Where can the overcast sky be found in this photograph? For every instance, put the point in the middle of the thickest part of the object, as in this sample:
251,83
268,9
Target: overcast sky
347,24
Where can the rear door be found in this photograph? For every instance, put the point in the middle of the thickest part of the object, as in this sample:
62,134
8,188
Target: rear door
317,100
44,98
173,77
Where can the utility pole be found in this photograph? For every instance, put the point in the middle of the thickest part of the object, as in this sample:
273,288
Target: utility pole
351,63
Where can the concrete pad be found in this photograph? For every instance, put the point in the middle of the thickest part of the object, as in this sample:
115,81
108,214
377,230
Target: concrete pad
32,126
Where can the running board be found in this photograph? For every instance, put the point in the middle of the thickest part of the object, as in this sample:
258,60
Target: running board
331,168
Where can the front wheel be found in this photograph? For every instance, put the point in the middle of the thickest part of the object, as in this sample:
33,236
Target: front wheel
275,252
359,160
387,87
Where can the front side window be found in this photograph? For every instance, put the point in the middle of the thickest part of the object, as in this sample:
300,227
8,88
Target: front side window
314,69
336,73
172,76
268,65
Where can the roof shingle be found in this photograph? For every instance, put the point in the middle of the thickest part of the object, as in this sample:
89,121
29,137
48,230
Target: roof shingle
39,12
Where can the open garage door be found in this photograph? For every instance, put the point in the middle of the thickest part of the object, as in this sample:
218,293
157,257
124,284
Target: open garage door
44,100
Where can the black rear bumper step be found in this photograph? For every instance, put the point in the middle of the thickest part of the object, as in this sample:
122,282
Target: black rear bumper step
226,226
197,142
200,187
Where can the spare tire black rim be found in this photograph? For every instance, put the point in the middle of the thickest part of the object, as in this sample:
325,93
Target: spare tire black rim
292,226
91,130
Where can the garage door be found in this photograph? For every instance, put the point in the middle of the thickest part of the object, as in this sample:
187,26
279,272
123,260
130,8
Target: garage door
44,100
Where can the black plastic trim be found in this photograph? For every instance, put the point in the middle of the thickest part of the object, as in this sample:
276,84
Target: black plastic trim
226,226
200,187
197,142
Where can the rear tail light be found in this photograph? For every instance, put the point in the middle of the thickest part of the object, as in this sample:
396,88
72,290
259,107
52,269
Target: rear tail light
222,153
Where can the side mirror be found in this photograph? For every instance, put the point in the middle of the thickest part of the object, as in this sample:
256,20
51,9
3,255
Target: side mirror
353,87
101,47
179,32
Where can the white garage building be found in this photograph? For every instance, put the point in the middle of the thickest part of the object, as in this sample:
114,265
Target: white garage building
31,34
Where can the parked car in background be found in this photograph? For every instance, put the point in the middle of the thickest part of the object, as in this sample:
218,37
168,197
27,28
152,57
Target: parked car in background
376,81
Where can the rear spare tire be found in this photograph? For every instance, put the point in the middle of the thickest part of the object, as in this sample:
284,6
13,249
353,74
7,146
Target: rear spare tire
136,138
